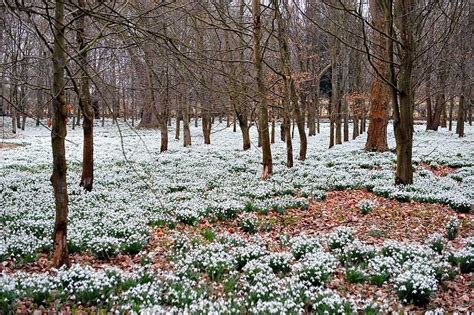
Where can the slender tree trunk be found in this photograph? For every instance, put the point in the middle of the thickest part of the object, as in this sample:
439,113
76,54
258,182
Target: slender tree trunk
13,116
311,118
355,131
380,92
451,106
78,115
14,96
429,106
87,176
403,110
234,123
267,169
178,123
206,125
363,120
346,120
331,123
338,116
441,95
58,135
289,83
282,129
461,113
333,105
289,142
318,113
272,138
470,112
186,130
39,102
164,134
195,118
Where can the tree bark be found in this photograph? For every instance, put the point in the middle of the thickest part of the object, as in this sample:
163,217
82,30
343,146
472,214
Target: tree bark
267,169
87,177
461,113
332,107
403,111
58,135
272,137
356,120
311,117
346,121
451,106
289,84
163,134
178,123
186,130
429,105
206,125
380,92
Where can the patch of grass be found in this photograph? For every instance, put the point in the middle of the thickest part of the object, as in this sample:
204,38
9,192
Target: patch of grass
230,284
355,276
208,234
376,232
378,279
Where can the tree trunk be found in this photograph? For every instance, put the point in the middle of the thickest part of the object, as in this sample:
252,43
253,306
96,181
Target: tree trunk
338,116
289,144
403,111
164,134
331,123
363,121
78,114
245,136
299,121
87,176
186,130
461,113
311,118
429,106
234,123
178,123
272,138
318,113
440,104
441,95
267,169
356,113
39,103
13,115
470,112
282,130
206,125
290,95
58,135
332,107
451,106
346,120
380,92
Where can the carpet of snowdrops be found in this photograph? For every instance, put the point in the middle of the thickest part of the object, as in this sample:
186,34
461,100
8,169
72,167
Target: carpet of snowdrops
137,189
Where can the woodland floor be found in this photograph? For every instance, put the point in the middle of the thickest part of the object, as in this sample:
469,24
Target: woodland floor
409,222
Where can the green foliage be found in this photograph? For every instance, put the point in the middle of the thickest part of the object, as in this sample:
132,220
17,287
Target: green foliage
378,279
409,295
249,224
208,234
230,284
466,263
132,248
355,276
